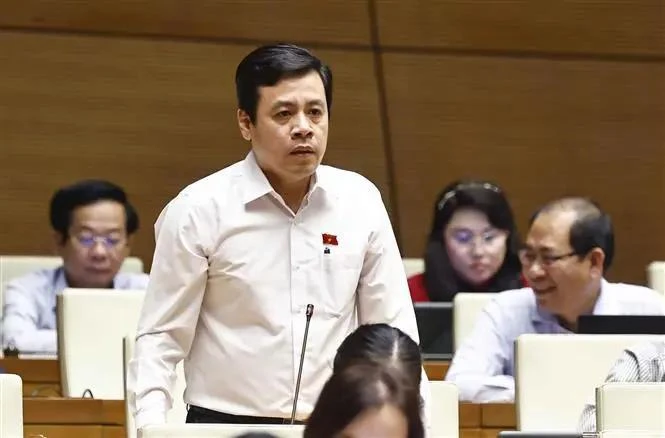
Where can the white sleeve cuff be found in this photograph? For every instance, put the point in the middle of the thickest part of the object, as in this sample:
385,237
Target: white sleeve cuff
149,417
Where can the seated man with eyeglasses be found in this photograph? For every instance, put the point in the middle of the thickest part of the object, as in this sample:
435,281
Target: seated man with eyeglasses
569,247
93,225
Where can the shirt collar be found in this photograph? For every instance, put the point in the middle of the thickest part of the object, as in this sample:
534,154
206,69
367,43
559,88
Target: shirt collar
257,185
603,306
60,281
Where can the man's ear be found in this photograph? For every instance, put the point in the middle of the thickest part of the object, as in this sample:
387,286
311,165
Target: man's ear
58,242
245,124
129,243
597,259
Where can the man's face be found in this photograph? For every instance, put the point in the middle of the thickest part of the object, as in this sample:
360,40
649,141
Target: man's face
96,246
561,281
290,134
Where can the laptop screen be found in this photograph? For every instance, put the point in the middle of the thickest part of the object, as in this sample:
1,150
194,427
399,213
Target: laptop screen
435,328
621,324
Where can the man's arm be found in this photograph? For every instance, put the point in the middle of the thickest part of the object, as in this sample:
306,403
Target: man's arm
21,318
478,367
639,364
171,309
383,293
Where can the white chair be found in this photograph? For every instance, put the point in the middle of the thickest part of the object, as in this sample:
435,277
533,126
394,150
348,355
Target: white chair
91,326
14,266
630,407
219,430
656,276
11,406
413,266
466,308
555,375
445,409
178,412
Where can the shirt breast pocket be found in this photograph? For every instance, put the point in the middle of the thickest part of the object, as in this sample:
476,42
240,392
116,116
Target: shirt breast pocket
340,275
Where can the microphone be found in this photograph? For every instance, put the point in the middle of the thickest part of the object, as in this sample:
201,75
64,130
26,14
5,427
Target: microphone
308,315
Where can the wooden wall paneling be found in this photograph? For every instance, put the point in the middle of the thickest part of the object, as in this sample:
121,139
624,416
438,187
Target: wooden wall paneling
558,26
541,129
150,115
329,21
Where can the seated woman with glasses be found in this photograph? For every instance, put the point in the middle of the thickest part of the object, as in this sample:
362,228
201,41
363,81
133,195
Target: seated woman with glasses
472,245
367,400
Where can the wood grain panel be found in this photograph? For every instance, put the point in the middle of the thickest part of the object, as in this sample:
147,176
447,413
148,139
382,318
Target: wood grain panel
541,129
60,431
152,116
330,21
634,27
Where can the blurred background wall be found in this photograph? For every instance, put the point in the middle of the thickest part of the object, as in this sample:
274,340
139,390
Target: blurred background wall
544,97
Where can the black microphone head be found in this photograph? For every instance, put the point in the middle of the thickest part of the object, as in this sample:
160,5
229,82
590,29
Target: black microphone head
310,310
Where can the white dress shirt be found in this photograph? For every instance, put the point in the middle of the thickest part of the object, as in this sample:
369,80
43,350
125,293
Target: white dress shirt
233,271
484,365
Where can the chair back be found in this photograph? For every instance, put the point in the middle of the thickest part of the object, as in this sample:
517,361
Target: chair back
556,374
630,407
466,308
91,326
445,409
11,406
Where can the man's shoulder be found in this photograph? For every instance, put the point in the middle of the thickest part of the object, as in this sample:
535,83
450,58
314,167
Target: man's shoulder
345,180
648,350
210,190
632,294
39,279
131,280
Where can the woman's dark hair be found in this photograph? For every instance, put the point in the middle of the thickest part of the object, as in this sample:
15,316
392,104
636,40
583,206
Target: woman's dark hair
383,345
441,280
358,389
267,65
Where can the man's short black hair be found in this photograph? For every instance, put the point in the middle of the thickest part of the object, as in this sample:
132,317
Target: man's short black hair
82,193
591,229
267,65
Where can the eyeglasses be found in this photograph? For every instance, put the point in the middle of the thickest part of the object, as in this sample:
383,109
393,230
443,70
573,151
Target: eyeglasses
528,258
487,239
109,242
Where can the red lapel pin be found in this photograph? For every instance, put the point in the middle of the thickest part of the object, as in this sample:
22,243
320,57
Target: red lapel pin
329,239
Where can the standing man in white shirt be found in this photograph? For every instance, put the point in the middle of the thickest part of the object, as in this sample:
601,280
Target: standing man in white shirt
241,253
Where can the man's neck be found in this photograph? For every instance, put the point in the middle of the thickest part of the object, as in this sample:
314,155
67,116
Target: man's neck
586,308
292,193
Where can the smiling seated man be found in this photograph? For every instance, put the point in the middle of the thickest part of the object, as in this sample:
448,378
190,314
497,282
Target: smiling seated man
93,224
569,247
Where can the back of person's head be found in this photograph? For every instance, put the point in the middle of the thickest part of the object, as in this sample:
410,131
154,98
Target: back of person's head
592,227
351,396
383,345
441,279
267,65
84,193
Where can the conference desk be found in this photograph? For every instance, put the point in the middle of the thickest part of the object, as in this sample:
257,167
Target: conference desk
55,417
41,377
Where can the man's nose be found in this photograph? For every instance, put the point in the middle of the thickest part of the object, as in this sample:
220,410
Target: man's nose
98,249
302,127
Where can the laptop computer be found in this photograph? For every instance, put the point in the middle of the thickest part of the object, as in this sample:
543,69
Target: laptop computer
621,324
518,434
435,327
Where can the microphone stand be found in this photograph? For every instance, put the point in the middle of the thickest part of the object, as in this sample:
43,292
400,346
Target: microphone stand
308,315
